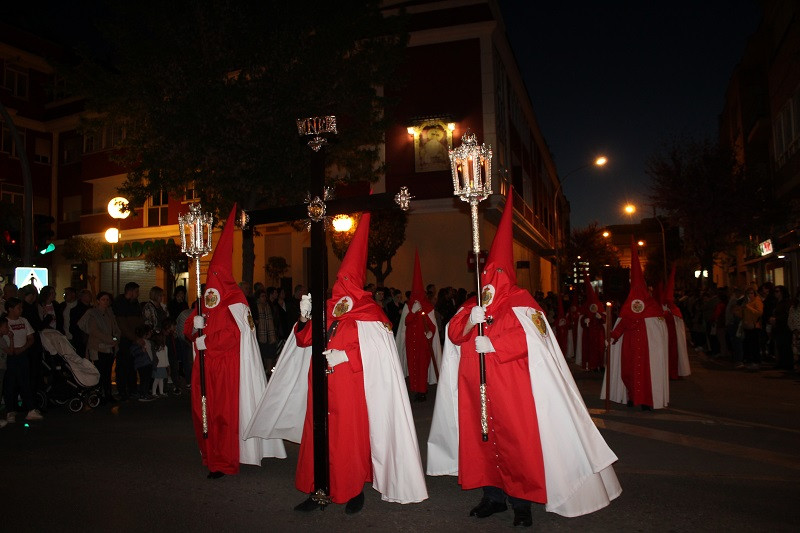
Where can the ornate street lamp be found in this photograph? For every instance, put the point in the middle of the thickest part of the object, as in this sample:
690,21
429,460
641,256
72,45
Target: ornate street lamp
471,166
196,230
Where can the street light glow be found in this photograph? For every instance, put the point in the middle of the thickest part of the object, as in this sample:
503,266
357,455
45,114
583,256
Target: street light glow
630,209
601,160
118,207
640,243
606,234
112,235
342,223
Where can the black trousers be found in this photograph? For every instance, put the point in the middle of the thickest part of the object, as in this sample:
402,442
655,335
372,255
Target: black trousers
105,362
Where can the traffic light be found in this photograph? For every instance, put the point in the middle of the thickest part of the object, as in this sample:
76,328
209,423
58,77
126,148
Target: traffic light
43,233
11,243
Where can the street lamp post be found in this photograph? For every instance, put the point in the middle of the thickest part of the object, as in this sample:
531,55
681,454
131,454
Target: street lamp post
119,210
557,245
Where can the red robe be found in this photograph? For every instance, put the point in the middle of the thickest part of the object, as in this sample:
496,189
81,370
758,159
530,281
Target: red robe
512,459
593,341
635,360
419,349
220,451
348,425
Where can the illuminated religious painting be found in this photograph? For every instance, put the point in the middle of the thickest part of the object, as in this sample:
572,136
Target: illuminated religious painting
432,140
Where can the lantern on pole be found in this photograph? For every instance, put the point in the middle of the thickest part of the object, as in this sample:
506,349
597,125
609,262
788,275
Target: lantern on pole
196,230
471,167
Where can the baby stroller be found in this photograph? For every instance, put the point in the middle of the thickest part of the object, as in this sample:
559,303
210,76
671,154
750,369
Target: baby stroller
69,379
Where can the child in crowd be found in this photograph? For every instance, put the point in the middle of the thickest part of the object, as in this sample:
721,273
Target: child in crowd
143,360
161,360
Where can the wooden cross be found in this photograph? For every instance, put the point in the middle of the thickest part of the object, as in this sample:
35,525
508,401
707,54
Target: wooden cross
316,209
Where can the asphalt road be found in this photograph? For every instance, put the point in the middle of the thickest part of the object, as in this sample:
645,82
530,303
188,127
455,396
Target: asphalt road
723,457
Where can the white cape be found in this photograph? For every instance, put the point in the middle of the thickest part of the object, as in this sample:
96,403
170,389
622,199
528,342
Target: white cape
684,368
252,384
657,340
400,339
577,461
396,463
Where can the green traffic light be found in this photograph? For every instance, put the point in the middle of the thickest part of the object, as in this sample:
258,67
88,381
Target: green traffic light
50,247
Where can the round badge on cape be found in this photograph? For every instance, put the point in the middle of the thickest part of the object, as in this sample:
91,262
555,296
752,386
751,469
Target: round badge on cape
593,308
211,298
637,306
344,304
487,295
539,321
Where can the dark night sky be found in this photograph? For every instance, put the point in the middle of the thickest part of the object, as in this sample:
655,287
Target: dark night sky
620,78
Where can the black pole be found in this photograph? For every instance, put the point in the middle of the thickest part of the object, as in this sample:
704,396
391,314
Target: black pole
319,365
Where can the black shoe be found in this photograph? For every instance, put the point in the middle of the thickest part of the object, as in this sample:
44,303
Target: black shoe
215,474
630,403
355,504
522,517
309,505
488,507
420,397
646,408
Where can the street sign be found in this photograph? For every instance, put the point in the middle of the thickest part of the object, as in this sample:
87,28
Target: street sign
27,275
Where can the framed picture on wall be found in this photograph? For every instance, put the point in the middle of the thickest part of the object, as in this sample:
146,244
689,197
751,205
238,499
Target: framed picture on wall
432,141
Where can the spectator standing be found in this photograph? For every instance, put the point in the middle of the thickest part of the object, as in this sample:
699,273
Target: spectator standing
129,317
293,305
5,344
793,321
766,293
265,331
144,361
178,302
781,334
160,364
17,378
394,308
752,310
70,301
9,291
184,346
47,307
102,341
733,320
78,336
153,310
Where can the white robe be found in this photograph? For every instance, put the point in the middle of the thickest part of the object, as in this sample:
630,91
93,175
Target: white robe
400,339
657,339
396,462
252,384
579,343
684,368
577,460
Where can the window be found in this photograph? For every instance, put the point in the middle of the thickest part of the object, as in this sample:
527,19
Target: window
103,139
42,151
7,144
15,80
71,149
786,130
157,209
60,88
190,194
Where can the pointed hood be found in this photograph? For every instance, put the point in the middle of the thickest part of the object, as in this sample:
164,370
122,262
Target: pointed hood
668,298
418,288
221,288
593,305
348,294
498,276
640,303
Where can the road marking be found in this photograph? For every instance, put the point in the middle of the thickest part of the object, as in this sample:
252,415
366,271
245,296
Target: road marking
725,448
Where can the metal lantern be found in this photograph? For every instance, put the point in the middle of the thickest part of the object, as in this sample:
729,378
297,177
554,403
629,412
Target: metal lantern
471,165
196,229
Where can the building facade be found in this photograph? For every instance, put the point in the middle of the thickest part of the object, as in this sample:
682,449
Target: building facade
461,76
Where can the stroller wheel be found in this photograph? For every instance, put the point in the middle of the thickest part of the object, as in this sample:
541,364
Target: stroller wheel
76,405
41,400
94,400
